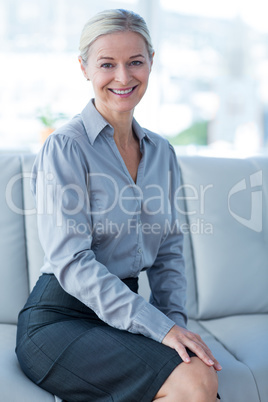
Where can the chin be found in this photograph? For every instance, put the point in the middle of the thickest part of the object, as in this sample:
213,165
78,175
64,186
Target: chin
126,109
127,104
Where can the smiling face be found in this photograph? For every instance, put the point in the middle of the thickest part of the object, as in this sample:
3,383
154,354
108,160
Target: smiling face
119,67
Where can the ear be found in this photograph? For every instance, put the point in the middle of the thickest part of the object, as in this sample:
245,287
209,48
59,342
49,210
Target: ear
83,67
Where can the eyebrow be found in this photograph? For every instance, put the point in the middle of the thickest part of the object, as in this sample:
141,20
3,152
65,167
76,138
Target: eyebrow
137,55
111,58
105,58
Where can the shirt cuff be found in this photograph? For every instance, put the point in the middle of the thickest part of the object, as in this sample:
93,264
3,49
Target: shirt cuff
151,323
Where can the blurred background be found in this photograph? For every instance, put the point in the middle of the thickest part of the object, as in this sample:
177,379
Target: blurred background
208,90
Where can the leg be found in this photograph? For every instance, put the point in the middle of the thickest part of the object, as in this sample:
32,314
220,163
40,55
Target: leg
193,382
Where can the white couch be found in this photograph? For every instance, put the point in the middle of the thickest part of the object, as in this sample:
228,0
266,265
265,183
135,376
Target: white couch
223,214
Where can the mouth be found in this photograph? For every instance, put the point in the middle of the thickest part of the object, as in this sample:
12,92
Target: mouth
125,91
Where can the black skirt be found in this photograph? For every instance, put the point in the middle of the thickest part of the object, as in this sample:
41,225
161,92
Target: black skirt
66,349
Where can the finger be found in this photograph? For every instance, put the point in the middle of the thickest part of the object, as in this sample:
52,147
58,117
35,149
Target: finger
184,342
201,343
180,349
200,352
217,365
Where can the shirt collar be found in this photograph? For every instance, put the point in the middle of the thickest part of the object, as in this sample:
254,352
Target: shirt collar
94,123
140,132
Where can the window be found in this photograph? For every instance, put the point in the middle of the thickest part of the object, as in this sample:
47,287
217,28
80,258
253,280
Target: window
208,87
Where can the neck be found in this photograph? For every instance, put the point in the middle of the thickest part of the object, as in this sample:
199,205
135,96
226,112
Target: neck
123,133
122,124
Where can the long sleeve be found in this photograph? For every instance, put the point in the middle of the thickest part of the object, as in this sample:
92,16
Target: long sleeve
167,276
65,202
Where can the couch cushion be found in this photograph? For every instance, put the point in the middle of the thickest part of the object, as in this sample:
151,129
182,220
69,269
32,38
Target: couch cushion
227,210
14,385
236,380
13,267
246,338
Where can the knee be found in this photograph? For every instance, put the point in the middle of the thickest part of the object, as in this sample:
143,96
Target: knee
205,387
195,382
204,381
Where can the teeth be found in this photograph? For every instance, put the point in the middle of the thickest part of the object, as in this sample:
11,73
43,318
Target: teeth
122,92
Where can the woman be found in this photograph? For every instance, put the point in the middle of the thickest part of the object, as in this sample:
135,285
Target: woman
104,188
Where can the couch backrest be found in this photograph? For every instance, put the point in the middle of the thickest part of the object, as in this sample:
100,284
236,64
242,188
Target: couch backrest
14,274
222,207
35,254
226,213
21,253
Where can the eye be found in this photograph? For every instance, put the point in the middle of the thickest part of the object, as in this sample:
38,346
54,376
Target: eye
136,63
106,65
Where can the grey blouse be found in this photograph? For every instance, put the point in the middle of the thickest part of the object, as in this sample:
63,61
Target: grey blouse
96,225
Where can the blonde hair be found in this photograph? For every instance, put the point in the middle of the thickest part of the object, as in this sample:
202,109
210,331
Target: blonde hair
111,21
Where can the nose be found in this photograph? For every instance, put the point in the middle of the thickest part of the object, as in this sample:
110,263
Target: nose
122,75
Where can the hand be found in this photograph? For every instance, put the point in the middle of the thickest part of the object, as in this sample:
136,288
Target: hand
179,338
